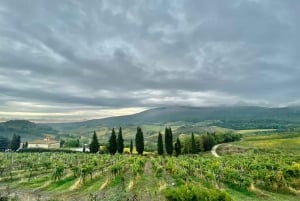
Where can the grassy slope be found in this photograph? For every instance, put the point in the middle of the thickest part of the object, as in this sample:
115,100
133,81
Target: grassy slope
263,139
288,142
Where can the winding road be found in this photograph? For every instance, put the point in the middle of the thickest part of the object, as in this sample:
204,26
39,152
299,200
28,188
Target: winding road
214,150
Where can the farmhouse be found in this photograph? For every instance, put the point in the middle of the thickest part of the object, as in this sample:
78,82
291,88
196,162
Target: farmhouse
47,143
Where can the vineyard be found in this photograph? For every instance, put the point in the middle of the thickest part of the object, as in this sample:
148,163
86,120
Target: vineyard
61,176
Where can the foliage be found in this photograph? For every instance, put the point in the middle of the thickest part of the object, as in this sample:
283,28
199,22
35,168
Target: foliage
4,143
186,145
139,141
169,141
196,192
208,141
177,147
120,141
15,142
40,150
160,145
112,143
72,143
276,172
25,145
131,146
58,172
194,148
94,146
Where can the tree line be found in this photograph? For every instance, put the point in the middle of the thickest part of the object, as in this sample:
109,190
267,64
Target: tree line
116,143
183,145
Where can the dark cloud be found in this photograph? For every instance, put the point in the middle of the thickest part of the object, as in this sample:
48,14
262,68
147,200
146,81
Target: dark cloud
68,56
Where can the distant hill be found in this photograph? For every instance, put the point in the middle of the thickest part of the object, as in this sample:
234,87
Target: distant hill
26,129
182,120
242,117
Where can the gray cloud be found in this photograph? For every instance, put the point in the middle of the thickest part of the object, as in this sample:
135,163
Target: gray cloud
68,55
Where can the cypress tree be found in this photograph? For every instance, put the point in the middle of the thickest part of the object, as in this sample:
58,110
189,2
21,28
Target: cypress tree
131,146
94,146
139,141
208,142
160,146
177,147
194,147
112,143
169,141
4,143
15,142
120,141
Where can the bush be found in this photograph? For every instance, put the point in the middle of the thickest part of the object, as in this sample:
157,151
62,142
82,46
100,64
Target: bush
196,193
39,150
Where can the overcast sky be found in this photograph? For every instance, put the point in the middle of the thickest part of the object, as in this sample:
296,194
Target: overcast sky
70,60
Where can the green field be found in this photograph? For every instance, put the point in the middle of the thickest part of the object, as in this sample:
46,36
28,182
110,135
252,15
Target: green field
251,131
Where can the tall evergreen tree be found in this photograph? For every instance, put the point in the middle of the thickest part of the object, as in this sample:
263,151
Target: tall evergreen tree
94,146
208,142
169,141
112,143
139,141
15,142
120,141
131,146
4,143
194,147
177,147
160,145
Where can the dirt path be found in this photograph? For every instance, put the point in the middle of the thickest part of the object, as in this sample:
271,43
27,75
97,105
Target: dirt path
214,151
148,186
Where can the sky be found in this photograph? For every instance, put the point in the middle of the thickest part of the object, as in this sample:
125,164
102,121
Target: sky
74,60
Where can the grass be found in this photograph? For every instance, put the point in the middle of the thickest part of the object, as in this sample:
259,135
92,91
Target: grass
283,142
238,195
255,131
62,185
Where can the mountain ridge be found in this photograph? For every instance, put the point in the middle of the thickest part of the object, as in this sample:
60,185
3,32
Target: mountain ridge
197,114
26,129
231,117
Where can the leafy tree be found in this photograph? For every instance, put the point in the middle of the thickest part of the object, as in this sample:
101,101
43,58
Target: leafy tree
15,142
112,143
177,147
160,145
194,147
208,142
4,143
131,146
72,143
199,144
120,142
25,145
139,141
94,146
169,141
62,142
186,145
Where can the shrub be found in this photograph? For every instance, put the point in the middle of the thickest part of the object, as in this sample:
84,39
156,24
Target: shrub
196,193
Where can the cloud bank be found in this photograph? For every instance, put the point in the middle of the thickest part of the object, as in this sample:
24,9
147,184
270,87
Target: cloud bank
72,60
